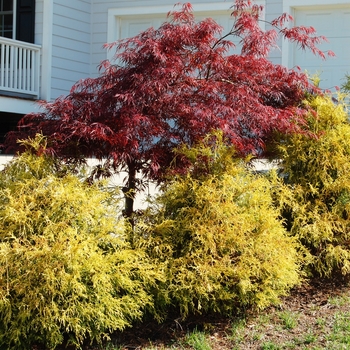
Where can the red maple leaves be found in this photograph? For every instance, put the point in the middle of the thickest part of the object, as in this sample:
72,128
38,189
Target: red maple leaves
174,85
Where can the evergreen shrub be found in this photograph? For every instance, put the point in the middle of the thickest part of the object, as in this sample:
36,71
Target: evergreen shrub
66,270
316,200
218,232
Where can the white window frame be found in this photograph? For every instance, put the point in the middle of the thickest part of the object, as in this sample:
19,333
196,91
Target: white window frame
14,16
289,6
116,15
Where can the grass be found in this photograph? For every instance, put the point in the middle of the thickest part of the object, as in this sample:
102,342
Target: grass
197,340
341,330
313,317
289,319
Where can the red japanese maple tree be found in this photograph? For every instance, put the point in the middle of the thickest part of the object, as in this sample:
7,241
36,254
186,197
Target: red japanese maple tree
174,85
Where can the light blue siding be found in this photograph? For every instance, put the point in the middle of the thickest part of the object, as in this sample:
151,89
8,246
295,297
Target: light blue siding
38,21
274,9
71,44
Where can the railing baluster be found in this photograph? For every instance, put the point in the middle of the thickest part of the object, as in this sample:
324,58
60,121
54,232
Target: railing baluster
29,56
2,65
11,70
24,80
19,67
15,68
7,59
32,76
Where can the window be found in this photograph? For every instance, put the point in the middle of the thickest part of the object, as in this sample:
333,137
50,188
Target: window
6,18
17,19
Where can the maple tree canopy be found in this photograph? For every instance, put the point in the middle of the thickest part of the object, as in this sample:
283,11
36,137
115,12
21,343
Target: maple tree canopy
174,85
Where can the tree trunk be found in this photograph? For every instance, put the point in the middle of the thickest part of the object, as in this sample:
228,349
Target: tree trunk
129,192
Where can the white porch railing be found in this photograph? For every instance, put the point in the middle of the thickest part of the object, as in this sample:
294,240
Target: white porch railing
19,67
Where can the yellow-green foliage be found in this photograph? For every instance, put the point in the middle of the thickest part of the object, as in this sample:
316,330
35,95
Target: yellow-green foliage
317,200
218,232
66,270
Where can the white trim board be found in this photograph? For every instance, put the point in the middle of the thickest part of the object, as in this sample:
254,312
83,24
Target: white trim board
18,105
288,4
46,51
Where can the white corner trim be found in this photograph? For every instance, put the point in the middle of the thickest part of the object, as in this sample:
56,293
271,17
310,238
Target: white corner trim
14,19
46,50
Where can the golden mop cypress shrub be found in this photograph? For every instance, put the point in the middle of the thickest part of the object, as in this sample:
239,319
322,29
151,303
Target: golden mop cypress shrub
219,233
316,201
66,271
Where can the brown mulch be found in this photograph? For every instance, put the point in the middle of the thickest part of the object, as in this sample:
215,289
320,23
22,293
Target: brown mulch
310,302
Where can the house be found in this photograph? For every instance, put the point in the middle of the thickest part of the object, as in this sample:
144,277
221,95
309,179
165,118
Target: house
47,45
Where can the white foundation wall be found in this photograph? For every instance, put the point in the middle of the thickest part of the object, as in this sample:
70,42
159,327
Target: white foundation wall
141,200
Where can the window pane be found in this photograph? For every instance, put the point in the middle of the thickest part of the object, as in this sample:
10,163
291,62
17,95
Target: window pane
8,22
1,25
7,26
7,5
6,18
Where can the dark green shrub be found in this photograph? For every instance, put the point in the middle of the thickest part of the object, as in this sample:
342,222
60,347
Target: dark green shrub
316,202
66,270
219,234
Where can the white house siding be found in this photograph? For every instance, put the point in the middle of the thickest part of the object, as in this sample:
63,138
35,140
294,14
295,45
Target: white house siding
39,22
71,44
